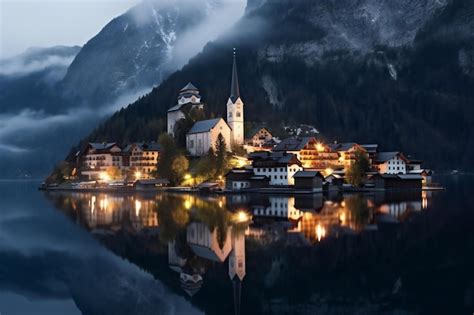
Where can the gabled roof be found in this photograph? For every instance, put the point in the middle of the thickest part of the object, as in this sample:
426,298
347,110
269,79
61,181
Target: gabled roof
189,87
204,125
102,146
254,131
273,159
293,144
383,157
342,147
307,174
371,148
144,146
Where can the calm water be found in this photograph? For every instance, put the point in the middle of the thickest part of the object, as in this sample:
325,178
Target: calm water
384,253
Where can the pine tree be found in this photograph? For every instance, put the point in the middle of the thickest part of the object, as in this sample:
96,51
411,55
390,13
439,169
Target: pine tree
221,154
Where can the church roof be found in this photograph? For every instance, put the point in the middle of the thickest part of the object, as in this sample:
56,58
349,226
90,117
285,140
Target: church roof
204,125
189,87
180,106
234,87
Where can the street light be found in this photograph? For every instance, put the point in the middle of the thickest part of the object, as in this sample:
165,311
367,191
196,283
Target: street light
138,175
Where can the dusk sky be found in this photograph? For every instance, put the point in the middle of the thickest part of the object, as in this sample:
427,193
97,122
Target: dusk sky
35,23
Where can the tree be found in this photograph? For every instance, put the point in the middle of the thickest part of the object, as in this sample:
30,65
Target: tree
167,154
221,154
206,167
355,174
179,167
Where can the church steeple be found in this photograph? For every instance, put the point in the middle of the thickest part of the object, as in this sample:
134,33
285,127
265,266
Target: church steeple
234,88
235,108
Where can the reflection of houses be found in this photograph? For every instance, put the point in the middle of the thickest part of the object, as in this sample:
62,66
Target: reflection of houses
144,214
103,211
205,243
190,283
237,256
175,261
278,207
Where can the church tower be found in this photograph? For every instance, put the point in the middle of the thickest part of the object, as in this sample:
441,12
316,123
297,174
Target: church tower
235,108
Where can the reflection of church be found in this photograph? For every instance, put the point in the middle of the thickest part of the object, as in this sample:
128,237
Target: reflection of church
209,246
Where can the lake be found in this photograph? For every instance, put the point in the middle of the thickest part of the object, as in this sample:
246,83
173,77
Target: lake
379,253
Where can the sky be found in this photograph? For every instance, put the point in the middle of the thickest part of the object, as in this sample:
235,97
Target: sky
36,23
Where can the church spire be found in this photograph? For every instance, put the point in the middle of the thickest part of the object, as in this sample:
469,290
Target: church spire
234,88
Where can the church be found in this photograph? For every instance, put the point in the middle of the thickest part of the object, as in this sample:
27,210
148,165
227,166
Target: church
203,135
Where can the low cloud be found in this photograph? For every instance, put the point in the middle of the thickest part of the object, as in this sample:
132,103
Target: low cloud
19,66
220,19
19,130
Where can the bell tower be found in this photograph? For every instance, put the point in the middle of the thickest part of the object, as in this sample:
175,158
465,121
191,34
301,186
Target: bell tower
235,108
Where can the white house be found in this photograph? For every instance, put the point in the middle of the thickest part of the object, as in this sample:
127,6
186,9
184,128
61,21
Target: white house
205,244
203,136
391,163
188,99
99,156
279,167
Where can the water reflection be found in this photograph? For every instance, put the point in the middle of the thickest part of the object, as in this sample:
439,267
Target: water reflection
202,240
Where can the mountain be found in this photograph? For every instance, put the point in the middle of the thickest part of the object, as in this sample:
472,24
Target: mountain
398,73
140,48
50,97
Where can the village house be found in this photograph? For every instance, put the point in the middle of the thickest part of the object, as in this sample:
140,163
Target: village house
203,136
309,181
188,99
143,157
242,179
391,163
397,181
259,137
346,152
279,167
309,151
97,157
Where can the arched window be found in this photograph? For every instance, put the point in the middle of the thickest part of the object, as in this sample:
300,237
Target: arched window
230,114
238,114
